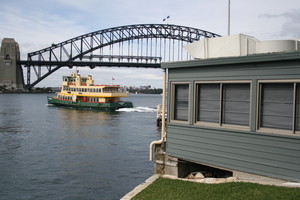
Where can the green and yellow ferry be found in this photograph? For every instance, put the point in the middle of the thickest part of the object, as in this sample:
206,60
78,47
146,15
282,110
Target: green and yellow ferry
81,92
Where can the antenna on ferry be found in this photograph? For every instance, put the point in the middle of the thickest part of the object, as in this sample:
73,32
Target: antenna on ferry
112,80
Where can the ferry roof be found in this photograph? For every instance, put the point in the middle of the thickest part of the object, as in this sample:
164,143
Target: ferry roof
94,86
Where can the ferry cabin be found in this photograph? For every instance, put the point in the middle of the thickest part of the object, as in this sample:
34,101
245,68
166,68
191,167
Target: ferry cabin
82,89
238,111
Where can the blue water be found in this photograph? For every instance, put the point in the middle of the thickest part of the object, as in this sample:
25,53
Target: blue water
48,152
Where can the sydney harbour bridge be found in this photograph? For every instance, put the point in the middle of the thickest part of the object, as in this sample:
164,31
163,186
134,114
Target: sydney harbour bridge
140,46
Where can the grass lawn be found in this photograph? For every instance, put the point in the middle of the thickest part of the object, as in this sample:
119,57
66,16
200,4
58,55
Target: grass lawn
166,189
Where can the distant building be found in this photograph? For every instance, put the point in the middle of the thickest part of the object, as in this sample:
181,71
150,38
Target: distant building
145,87
235,107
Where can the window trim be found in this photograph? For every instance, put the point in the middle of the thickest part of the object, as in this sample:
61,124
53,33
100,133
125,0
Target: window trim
172,102
293,131
219,124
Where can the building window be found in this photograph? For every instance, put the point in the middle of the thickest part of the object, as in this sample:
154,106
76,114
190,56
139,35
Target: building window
180,101
279,106
209,103
223,103
236,104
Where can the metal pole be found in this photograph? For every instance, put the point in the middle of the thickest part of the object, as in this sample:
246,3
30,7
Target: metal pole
228,17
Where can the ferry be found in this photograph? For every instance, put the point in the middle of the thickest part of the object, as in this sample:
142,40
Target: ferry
80,92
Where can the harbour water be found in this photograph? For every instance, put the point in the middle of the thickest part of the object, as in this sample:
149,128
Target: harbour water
48,152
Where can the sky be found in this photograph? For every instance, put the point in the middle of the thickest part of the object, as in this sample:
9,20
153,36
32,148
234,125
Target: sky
36,24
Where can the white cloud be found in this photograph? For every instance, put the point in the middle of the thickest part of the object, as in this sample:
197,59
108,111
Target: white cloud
290,23
36,30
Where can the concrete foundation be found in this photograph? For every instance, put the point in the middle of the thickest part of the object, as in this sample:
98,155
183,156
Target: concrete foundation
246,177
169,166
11,74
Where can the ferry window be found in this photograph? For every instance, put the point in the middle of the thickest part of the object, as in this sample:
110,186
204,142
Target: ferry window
279,106
181,102
223,103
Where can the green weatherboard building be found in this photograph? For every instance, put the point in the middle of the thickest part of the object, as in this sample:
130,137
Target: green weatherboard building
236,107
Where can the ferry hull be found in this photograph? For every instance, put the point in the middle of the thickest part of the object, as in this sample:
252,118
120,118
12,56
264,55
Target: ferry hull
90,105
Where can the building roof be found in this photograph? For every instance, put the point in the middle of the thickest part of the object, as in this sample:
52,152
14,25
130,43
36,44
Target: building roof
254,58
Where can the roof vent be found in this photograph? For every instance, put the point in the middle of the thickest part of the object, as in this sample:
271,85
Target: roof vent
238,45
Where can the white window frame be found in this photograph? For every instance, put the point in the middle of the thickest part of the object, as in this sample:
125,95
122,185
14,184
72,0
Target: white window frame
172,103
220,124
293,131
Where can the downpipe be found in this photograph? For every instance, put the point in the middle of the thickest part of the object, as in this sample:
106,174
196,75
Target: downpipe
163,120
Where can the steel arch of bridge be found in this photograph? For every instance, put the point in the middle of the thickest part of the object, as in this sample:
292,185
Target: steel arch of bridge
75,51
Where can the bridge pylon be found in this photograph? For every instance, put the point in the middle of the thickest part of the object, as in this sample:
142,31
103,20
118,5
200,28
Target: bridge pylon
11,73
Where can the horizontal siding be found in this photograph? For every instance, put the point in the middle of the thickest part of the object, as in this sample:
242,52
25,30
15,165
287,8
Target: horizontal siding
269,155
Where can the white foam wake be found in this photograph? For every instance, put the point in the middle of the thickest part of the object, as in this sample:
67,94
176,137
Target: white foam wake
137,109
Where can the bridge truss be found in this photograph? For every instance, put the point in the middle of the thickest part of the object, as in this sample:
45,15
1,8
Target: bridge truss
142,45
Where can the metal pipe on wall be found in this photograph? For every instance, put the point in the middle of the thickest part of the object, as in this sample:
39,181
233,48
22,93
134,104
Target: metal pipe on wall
163,120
